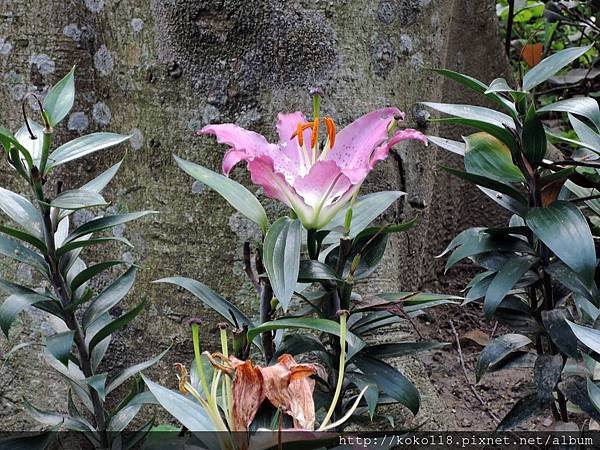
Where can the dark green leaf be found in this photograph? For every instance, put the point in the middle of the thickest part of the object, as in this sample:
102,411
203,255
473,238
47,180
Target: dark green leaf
461,238
101,181
594,394
281,257
497,350
534,137
14,250
479,87
116,324
85,275
386,229
489,184
371,394
26,237
488,157
588,136
16,303
576,390
546,373
506,278
525,408
508,203
312,270
189,413
364,211
563,228
390,381
60,345
53,419
299,343
83,146
551,65
581,106
59,99
395,349
105,222
133,370
500,133
355,344
8,141
448,144
237,195
555,323
473,112
588,336
33,146
84,241
41,441
209,298
78,199
109,297
98,383
21,211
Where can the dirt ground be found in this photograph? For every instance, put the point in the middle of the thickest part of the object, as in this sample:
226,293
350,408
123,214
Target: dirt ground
497,391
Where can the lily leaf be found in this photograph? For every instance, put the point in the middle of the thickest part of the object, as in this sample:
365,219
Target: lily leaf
59,99
551,65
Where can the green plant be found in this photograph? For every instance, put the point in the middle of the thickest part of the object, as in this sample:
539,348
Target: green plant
539,271
41,237
305,270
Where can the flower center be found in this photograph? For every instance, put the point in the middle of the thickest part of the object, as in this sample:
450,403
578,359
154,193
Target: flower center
314,136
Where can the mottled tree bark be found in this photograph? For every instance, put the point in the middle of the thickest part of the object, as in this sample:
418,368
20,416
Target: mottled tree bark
161,69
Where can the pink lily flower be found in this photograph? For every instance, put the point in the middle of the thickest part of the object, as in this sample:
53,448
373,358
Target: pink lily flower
315,179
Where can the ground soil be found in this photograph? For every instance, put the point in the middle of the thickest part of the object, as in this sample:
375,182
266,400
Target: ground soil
498,391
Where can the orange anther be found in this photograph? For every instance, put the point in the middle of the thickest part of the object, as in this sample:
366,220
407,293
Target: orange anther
315,133
300,134
330,126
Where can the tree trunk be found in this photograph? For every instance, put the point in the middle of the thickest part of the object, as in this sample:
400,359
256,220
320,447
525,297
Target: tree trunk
159,70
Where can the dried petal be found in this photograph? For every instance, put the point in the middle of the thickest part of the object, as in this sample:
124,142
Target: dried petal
248,394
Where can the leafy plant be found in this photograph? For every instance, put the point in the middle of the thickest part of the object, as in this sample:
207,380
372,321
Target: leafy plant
305,272
539,271
41,236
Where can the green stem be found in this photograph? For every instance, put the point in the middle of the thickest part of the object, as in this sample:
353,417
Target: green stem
341,369
312,244
198,357
227,395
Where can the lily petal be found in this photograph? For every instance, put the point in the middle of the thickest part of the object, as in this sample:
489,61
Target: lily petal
355,143
247,390
323,185
402,135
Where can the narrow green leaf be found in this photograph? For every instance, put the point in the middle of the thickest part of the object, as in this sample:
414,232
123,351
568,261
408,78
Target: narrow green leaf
364,211
311,270
8,141
497,350
478,87
109,297
555,323
551,65
525,408
60,345
85,275
448,144
396,349
362,381
506,278
390,381
594,393
83,146
209,298
129,372
189,413
588,336
21,211
98,383
54,419
281,257
33,146
116,325
564,229
105,222
500,133
386,229
534,137
237,195
26,237
14,250
473,112
78,199
101,181
499,85
488,157
59,99
81,243
16,303
586,134
489,184
581,106
299,343
355,344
